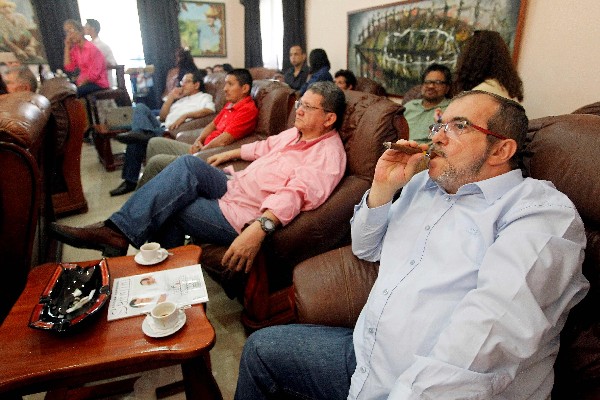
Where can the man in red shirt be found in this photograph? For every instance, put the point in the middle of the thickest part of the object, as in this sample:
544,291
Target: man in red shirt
236,120
84,56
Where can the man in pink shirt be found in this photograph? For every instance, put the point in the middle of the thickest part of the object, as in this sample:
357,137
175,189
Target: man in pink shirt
291,172
83,56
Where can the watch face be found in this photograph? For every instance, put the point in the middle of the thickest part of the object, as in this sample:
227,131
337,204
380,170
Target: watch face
269,224
266,224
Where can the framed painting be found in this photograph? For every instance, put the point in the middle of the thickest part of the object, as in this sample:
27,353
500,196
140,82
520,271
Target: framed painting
394,43
20,37
202,28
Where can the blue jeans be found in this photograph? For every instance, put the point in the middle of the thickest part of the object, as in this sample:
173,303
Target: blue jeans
182,199
298,361
143,120
87,88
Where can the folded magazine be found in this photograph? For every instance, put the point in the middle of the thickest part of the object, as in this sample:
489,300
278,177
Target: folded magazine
137,294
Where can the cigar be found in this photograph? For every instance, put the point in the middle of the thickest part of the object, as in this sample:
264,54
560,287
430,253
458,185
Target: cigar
403,148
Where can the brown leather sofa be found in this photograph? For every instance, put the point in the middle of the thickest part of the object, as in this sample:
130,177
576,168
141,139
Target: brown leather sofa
275,102
70,122
23,120
369,121
331,289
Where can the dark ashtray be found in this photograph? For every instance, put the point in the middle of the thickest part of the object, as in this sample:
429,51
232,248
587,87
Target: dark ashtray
72,294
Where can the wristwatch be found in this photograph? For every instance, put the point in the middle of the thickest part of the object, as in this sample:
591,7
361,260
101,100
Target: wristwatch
267,224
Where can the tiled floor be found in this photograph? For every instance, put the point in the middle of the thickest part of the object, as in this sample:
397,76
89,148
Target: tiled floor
223,313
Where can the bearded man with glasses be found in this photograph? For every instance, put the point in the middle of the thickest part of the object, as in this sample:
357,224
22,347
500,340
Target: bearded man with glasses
435,97
479,268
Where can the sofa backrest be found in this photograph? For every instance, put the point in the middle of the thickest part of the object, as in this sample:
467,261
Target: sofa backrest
562,149
275,102
57,90
384,121
214,84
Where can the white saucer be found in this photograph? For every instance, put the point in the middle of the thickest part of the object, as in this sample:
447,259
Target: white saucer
150,329
161,257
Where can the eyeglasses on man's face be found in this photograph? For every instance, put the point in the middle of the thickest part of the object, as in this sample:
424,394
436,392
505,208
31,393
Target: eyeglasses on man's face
457,128
307,107
435,82
184,81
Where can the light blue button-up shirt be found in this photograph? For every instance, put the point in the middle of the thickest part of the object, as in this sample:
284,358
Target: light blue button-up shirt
473,290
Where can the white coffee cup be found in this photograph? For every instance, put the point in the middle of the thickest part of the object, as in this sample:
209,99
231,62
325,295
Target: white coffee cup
165,315
150,251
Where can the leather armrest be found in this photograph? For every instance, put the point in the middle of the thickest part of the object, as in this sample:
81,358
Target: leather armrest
196,125
332,288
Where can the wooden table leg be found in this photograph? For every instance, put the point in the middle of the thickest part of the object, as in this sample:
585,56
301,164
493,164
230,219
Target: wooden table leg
198,380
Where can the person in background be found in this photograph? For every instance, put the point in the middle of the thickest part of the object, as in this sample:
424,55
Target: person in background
183,103
82,55
345,79
319,69
296,75
20,79
208,70
235,121
184,64
485,64
92,29
479,268
218,68
227,67
288,175
435,97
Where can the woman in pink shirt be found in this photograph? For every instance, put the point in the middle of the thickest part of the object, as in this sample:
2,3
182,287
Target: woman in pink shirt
84,56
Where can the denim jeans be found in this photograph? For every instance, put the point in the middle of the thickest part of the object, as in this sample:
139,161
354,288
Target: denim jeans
297,361
182,199
142,121
87,88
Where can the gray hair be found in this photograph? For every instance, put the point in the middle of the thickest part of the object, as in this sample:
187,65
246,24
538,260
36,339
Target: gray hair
333,101
24,75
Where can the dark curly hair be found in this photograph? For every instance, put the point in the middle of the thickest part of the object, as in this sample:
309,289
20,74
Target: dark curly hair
486,56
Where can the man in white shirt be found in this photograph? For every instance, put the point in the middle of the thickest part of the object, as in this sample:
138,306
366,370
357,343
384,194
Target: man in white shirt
92,29
479,268
183,104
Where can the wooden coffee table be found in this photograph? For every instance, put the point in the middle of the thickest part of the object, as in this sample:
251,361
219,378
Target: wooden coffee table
35,361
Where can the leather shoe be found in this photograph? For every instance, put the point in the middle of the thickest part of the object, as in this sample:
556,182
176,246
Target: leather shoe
124,187
97,236
134,137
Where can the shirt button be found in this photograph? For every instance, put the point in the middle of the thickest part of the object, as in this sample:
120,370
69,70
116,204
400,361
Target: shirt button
385,292
448,198
427,227
371,330
412,262
363,369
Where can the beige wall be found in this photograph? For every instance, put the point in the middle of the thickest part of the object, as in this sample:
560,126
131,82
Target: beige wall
559,49
234,24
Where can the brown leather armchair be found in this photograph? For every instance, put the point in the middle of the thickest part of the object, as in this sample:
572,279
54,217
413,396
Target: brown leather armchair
70,124
23,119
331,288
369,121
275,102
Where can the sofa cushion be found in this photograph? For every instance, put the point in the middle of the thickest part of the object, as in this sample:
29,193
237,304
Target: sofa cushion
562,149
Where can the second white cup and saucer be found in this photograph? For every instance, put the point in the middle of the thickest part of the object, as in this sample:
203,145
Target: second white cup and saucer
165,319
150,254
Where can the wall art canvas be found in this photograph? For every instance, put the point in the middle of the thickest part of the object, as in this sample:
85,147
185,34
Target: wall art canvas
393,44
202,28
19,32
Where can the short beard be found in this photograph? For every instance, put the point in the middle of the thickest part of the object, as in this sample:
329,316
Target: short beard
453,178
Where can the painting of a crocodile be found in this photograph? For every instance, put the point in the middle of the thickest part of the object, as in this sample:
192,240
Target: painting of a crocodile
393,44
